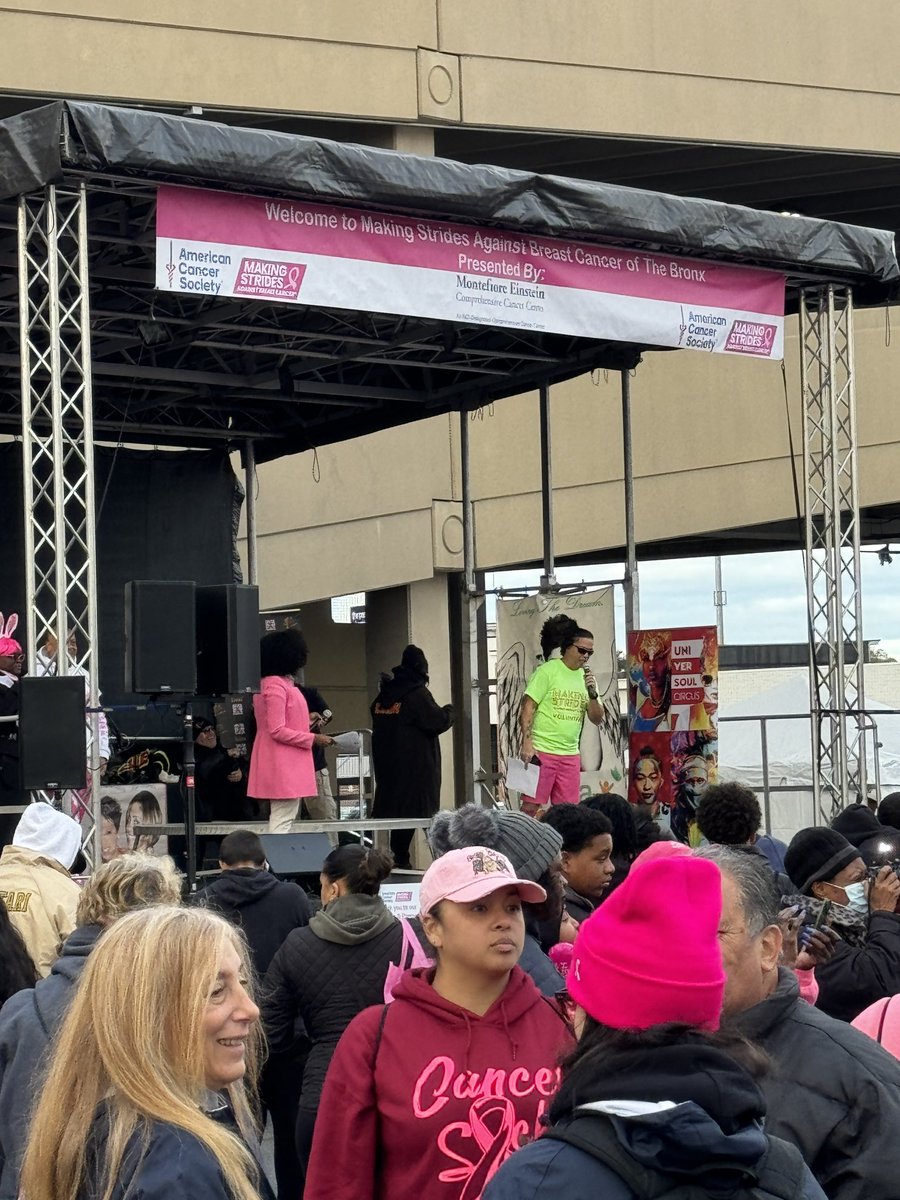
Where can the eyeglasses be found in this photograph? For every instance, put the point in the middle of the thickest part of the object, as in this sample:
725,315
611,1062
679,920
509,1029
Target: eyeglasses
584,653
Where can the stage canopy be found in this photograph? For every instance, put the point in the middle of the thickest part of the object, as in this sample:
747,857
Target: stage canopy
170,368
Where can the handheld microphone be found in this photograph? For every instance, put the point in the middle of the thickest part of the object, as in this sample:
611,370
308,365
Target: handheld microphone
591,691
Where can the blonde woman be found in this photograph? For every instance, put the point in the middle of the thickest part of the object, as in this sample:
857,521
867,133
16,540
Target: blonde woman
144,1095
30,1019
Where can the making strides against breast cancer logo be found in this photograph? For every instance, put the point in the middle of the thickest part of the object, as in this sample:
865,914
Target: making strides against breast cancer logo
751,337
269,279
478,1146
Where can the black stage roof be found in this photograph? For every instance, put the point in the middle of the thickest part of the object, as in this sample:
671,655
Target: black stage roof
174,370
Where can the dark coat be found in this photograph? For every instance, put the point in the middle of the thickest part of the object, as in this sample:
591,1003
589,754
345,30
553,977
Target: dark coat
174,1165
323,983
218,799
578,907
834,1093
28,1022
406,755
857,976
266,908
709,1139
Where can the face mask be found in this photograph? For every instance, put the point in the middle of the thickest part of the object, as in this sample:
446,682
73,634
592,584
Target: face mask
857,898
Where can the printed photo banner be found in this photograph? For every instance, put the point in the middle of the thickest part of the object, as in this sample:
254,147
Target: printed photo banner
673,694
519,624
212,243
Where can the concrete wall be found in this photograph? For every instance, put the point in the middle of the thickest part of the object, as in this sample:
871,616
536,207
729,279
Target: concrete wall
799,74
711,452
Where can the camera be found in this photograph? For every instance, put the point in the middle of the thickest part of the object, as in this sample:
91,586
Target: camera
872,871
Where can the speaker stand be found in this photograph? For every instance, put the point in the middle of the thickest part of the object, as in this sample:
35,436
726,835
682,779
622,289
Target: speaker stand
190,814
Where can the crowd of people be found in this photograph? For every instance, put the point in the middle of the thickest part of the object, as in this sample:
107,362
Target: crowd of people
583,1004
575,1009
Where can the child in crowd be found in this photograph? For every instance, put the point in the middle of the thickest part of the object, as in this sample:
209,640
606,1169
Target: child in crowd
587,862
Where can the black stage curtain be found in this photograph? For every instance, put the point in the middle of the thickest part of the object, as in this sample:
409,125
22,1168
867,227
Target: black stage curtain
161,515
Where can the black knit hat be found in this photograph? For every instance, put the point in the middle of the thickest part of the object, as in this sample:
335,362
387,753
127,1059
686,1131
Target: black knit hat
816,855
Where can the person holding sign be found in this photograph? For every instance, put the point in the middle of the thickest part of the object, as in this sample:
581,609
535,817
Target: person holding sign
557,697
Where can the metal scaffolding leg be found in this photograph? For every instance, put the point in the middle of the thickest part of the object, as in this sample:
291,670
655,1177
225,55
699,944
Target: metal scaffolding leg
57,441
476,785
832,562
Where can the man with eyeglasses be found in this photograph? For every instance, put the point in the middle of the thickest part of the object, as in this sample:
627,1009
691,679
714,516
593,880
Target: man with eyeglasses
557,697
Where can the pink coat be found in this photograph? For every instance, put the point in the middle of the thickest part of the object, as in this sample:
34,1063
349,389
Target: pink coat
281,765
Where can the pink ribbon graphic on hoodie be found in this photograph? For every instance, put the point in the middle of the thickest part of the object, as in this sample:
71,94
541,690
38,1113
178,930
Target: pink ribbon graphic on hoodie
493,1127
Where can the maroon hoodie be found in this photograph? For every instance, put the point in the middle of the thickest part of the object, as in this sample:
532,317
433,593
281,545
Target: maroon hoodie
430,1107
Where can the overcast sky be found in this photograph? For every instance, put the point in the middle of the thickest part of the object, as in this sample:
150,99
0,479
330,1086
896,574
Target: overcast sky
766,595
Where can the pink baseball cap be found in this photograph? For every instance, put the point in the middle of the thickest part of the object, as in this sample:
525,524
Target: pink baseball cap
469,874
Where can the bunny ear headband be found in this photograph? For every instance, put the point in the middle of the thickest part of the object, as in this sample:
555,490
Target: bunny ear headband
8,644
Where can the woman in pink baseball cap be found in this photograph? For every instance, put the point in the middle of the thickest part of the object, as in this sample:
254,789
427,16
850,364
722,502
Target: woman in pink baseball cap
655,1099
427,1096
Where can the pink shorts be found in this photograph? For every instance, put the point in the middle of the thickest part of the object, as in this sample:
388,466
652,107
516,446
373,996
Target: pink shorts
560,778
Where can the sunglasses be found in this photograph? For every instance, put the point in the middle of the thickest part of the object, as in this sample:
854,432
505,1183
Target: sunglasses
584,653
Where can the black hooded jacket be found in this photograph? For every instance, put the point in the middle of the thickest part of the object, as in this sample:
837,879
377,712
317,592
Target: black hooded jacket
834,1093
406,755
266,908
688,1111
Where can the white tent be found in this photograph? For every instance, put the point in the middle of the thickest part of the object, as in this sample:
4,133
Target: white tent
789,746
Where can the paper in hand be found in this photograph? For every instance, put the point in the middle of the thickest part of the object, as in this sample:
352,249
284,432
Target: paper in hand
347,743
522,777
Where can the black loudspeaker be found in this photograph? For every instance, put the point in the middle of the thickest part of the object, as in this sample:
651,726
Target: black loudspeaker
296,853
52,734
227,639
160,637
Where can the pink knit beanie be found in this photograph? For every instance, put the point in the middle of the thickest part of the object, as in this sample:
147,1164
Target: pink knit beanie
881,1022
650,953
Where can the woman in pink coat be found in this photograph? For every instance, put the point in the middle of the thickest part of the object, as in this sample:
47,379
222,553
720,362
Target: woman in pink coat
281,765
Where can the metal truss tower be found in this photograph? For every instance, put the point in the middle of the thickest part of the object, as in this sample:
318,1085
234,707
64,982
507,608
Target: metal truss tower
834,601
58,442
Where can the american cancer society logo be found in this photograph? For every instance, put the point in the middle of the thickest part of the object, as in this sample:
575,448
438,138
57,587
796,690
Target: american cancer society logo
751,337
269,279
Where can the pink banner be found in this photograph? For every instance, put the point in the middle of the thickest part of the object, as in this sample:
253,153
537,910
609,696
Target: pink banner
223,244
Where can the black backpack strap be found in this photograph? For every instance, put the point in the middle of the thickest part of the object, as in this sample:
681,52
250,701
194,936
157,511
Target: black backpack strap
378,1034
595,1135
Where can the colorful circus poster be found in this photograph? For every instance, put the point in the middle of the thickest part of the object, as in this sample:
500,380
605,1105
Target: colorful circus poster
672,716
519,622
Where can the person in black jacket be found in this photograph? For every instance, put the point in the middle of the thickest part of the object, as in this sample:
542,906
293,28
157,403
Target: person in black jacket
656,1099
267,909
866,964
406,754
248,895
327,973
833,1093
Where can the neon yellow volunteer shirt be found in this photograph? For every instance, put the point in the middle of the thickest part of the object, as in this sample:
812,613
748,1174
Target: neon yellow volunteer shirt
561,698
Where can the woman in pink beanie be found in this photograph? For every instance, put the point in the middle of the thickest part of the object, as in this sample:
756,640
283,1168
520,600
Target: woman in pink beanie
655,1097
